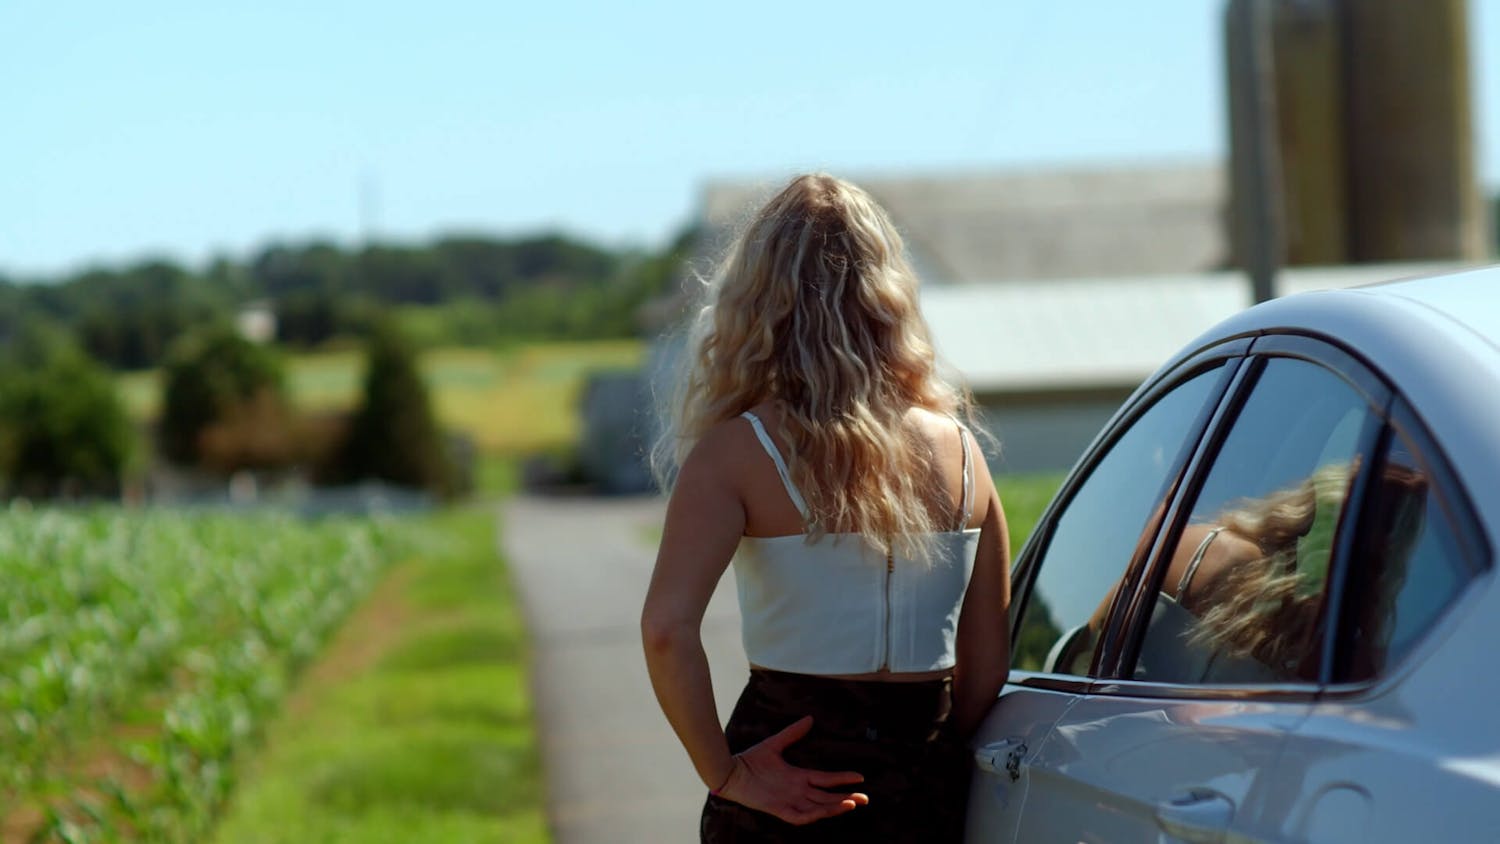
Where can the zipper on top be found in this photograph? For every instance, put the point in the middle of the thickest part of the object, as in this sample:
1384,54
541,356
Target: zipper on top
885,657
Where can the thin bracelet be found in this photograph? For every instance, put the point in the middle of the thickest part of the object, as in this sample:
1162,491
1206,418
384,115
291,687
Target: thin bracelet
727,777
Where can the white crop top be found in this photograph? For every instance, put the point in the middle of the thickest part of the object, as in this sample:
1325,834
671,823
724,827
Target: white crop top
840,606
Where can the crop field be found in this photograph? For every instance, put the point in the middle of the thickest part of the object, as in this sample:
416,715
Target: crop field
142,653
511,402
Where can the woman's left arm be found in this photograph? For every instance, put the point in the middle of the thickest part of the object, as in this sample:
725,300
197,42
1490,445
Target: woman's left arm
984,621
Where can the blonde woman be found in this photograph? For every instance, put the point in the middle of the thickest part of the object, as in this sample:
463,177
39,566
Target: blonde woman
813,435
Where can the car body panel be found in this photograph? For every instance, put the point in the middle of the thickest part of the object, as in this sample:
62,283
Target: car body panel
1114,763
1019,723
1421,745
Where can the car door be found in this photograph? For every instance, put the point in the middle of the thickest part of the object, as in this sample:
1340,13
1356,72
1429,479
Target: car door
1217,656
1066,579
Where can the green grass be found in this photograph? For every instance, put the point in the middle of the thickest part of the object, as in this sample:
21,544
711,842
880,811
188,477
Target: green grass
417,726
1024,497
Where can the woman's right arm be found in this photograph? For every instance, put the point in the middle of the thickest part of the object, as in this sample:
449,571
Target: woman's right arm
703,526
705,519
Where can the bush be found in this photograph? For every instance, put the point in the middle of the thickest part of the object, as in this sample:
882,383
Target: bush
393,435
224,405
63,428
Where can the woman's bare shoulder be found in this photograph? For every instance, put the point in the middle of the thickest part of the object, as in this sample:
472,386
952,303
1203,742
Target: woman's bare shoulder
1224,548
726,444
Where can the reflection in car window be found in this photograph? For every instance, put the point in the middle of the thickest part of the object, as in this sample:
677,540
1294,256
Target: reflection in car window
1099,530
1241,599
1405,570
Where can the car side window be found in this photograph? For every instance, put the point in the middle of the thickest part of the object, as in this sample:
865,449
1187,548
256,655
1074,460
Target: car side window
1099,529
1406,568
1241,594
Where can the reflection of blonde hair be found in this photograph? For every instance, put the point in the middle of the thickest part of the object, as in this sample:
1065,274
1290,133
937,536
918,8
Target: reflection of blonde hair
1267,608
816,308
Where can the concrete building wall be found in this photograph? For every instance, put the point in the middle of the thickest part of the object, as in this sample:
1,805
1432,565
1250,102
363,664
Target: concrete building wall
1038,434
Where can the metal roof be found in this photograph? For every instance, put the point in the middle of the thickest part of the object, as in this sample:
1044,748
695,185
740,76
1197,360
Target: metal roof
991,226
1101,333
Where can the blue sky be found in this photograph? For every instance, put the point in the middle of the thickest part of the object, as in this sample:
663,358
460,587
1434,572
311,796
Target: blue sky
182,129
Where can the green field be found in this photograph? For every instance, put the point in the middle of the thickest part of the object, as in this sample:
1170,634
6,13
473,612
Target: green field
511,402
146,656
1024,498
141,654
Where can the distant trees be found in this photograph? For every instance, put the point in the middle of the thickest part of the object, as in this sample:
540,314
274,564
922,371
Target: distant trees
126,318
224,404
63,429
545,286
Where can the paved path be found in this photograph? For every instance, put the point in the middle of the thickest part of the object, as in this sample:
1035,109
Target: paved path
615,772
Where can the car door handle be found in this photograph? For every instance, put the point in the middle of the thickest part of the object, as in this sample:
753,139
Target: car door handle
1199,815
1001,757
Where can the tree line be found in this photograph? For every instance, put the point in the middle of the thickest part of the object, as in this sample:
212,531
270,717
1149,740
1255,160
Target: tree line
64,431
469,289
225,405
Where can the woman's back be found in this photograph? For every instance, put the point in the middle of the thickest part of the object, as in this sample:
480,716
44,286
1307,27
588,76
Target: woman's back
770,511
839,605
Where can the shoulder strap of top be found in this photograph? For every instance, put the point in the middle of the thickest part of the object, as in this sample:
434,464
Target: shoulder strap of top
770,447
1192,567
968,499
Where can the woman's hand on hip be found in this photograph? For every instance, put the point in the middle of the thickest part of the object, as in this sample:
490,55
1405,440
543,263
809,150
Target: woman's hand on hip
763,780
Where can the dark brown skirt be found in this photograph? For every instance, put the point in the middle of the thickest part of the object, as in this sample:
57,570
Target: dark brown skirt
895,734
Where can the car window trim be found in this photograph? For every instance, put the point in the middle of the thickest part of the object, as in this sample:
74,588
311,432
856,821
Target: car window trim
1469,599
1330,355
1270,692
1474,552
1028,569
1346,534
1452,496
1378,398
1071,683
1229,355
1137,565
1127,631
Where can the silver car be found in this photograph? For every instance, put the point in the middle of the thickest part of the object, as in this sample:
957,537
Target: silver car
1262,607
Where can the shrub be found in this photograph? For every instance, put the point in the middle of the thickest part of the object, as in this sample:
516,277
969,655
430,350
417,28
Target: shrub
63,428
393,435
224,405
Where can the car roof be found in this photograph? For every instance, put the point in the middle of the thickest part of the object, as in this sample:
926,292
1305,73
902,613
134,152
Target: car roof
1435,339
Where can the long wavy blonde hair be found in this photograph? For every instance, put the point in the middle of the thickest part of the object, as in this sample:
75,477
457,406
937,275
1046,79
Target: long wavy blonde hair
815,308
1269,608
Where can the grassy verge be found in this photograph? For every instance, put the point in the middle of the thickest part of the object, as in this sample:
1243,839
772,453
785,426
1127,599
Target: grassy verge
414,726
1024,497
